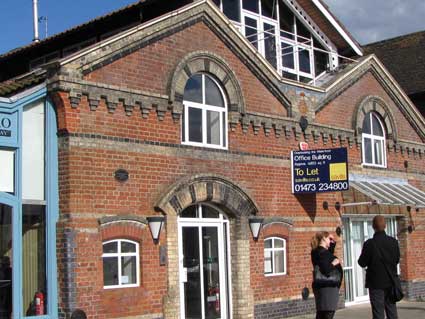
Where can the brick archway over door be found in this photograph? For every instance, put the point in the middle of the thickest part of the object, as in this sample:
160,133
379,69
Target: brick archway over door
239,206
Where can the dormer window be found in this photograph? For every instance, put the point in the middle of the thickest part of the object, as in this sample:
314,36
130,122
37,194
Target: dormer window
373,141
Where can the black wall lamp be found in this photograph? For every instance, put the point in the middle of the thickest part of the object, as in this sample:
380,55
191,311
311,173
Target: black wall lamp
255,224
155,224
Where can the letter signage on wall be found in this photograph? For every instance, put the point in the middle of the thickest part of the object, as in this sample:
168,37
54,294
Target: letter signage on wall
316,171
8,128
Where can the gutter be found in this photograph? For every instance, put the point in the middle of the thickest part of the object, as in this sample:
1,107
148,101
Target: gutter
15,98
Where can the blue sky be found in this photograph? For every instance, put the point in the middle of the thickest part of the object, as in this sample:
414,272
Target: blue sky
16,23
390,17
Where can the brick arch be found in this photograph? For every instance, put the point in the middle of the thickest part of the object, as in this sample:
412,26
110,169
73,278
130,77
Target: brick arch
207,188
207,62
237,204
123,227
375,104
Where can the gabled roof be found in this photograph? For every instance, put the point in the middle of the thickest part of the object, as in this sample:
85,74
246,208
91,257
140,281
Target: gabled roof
351,74
404,56
16,62
141,11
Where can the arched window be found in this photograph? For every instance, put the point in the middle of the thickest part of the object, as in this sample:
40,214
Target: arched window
373,141
205,113
120,264
274,256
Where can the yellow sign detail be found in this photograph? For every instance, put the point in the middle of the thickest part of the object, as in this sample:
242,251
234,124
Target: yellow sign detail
338,172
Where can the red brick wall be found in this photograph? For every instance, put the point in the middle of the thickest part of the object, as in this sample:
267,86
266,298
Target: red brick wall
339,111
87,185
150,68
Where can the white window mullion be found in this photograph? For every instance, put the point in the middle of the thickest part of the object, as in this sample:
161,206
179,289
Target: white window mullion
119,262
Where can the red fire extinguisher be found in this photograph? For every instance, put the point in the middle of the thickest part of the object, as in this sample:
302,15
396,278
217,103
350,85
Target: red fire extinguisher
39,303
215,292
217,300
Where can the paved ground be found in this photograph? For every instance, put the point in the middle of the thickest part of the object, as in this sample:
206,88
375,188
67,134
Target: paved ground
406,310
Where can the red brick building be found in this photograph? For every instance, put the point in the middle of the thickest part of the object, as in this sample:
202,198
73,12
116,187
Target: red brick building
190,116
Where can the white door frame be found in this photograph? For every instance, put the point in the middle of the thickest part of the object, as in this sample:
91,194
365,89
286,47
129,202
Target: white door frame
354,283
221,224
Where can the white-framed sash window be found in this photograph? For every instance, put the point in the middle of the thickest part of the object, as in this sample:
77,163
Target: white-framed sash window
121,264
373,141
274,256
205,113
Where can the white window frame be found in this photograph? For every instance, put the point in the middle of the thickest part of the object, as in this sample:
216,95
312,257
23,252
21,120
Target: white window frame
273,250
118,255
204,108
374,138
296,46
260,31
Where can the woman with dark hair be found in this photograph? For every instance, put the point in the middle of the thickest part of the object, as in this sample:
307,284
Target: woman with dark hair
326,294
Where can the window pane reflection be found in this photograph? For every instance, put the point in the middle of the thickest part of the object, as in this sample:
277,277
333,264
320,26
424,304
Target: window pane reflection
5,261
195,125
193,89
270,44
304,56
213,95
367,150
213,127
129,269
377,128
33,257
251,31
110,271
378,151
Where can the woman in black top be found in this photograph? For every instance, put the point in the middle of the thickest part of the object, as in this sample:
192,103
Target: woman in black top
326,296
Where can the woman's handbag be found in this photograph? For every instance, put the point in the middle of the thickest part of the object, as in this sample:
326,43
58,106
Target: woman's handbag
321,280
396,293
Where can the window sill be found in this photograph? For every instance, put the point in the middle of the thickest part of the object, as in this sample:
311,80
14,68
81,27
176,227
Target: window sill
275,275
368,165
120,287
201,145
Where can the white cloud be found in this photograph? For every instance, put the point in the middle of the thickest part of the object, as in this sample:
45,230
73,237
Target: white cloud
375,20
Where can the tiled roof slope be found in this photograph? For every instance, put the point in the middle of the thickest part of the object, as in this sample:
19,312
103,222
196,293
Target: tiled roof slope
16,85
404,57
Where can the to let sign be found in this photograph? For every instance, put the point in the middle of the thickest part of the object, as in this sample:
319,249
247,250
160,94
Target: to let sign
316,171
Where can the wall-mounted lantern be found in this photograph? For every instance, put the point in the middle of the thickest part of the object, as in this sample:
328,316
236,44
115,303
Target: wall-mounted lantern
155,224
255,224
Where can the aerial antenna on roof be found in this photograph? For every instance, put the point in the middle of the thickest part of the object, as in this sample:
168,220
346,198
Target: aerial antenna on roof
41,19
35,18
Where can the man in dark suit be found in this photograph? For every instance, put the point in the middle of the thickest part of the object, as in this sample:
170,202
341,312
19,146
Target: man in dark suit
377,278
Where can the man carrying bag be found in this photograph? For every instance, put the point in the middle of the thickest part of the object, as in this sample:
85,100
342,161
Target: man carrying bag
380,255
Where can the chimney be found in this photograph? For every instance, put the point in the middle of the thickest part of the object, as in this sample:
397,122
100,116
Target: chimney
35,12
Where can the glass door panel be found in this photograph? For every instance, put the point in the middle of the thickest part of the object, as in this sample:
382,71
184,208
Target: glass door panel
211,268
358,237
204,271
348,262
191,267
34,279
5,261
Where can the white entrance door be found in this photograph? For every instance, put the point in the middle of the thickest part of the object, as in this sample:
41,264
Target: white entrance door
356,232
204,264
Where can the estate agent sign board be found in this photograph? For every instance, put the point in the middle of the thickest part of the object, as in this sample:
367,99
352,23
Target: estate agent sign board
316,171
